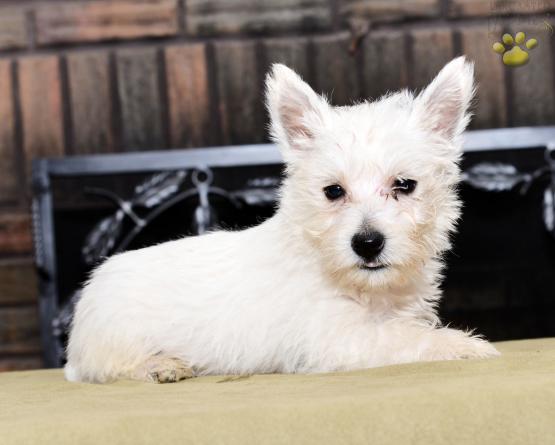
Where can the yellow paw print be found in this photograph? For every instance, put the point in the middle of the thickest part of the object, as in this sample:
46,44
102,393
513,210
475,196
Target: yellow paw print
516,56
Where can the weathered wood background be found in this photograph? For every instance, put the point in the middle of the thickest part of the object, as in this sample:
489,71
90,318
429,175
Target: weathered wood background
108,76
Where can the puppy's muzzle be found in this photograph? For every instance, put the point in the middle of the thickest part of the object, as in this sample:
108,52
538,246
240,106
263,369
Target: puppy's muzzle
368,245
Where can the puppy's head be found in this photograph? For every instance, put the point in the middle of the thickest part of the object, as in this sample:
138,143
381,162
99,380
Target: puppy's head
372,186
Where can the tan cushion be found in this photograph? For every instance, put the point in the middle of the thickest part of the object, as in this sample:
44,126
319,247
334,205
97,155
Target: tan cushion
509,400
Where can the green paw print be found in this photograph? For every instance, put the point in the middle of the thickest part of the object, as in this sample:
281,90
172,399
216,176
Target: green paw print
516,56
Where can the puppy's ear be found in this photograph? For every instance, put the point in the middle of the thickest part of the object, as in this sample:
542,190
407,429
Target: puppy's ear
297,113
443,105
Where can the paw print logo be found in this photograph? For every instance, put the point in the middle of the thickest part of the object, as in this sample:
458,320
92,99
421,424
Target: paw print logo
515,56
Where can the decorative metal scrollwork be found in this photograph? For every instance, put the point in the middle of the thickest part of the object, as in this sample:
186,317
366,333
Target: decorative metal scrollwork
159,193
499,177
102,239
494,177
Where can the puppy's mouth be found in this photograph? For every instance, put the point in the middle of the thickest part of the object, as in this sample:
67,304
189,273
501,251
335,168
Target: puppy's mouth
373,266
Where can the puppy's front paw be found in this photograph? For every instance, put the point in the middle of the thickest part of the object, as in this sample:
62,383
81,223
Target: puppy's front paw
451,344
160,369
476,347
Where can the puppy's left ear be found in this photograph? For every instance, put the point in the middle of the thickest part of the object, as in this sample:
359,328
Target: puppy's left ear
443,105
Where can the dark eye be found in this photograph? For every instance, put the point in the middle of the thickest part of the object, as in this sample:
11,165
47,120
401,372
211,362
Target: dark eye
334,192
404,186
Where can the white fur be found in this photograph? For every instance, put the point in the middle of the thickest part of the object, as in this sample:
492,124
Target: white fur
289,295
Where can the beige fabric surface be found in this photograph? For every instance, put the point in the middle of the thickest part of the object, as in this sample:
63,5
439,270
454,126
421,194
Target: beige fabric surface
508,400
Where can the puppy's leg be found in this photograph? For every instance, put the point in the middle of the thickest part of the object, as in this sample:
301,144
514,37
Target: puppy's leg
414,343
394,342
163,369
452,344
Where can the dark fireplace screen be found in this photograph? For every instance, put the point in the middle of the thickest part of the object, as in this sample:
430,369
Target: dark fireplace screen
501,273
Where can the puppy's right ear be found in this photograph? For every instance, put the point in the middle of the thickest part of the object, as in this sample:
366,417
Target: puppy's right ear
297,113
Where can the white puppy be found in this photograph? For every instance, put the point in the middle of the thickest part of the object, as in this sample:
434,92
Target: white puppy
344,276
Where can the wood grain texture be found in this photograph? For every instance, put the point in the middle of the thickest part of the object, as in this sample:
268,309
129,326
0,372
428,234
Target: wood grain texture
431,50
19,330
189,96
91,104
496,8
490,110
291,51
240,92
216,17
15,233
336,69
13,34
8,167
70,21
388,10
20,362
41,107
385,63
18,281
533,94
139,96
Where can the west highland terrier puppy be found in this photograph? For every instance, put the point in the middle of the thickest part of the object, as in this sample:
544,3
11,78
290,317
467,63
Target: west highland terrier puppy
345,275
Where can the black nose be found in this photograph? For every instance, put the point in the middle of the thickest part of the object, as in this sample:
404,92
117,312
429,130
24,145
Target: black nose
368,245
